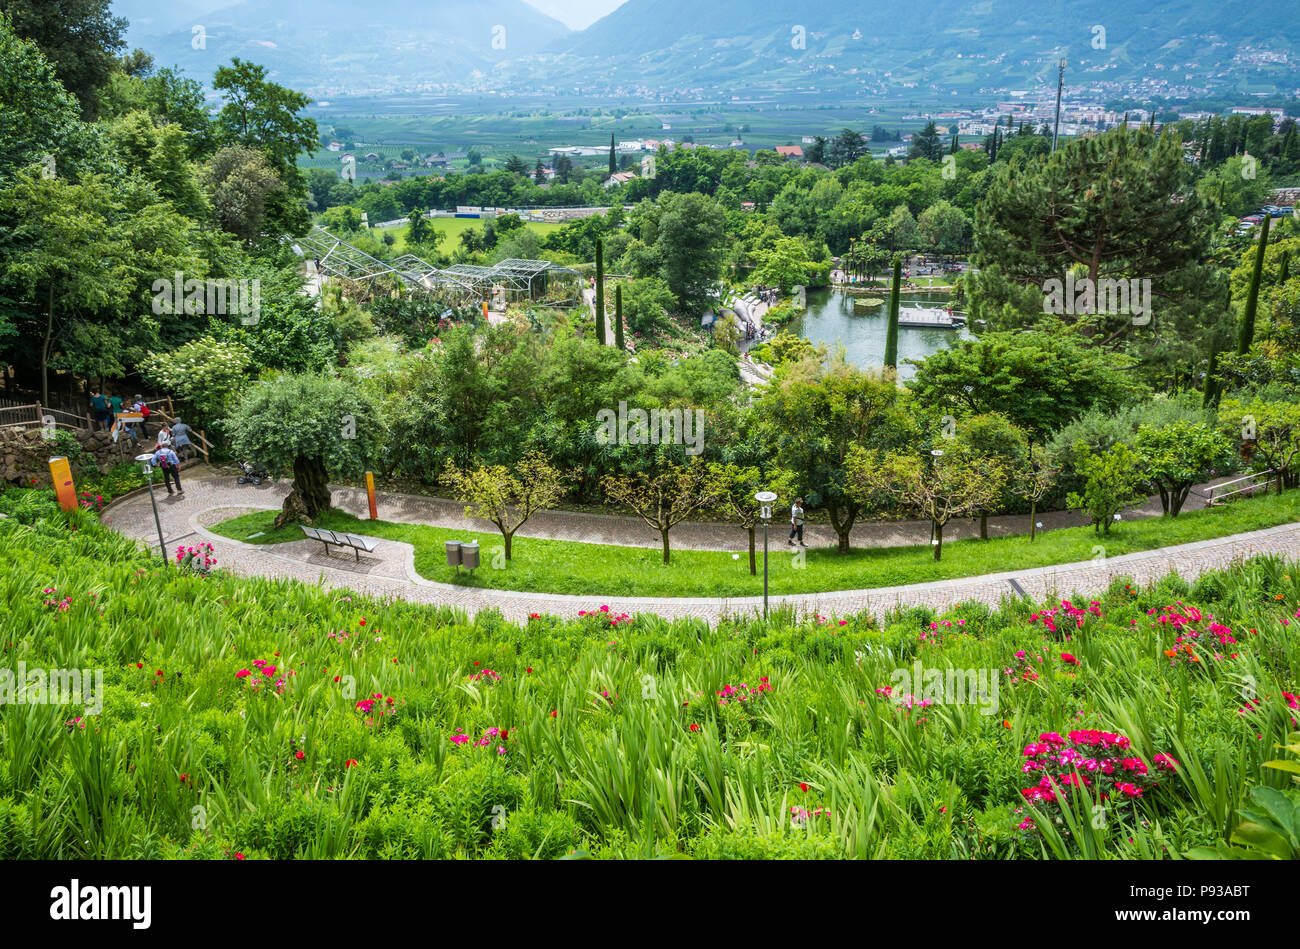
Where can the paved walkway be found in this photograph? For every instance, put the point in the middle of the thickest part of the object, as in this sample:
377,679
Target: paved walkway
217,488
390,570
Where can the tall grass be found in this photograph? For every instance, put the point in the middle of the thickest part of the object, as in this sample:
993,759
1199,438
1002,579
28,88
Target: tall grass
624,741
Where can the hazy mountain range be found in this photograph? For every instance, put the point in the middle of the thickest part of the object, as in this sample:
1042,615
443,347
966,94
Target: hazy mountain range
336,46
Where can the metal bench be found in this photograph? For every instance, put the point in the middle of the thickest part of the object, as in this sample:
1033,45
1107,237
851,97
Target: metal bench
351,541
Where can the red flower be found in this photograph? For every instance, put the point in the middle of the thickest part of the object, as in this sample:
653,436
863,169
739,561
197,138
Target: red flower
694,727
139,665
529,670
363,621
158,673
553,714
239,856
803,787
1067,658
299,755
350,762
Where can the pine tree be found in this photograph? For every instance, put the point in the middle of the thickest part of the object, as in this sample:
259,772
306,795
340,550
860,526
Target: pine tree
619,343
600,292
1247,335
891,334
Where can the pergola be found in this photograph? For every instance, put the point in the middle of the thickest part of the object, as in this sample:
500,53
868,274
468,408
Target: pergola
519,280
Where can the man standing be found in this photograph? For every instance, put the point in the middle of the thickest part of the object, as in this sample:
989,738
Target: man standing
165,458
796,522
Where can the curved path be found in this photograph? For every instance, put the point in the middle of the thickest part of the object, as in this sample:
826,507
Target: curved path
217,487
390,570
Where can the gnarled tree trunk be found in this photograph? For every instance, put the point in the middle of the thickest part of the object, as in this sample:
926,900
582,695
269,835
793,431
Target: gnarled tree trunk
310,496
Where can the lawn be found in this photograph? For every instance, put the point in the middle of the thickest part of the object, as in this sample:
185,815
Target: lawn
254,718
555,566
452,227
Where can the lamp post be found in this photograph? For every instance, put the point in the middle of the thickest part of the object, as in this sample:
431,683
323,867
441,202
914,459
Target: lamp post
935,455
765,498
147,460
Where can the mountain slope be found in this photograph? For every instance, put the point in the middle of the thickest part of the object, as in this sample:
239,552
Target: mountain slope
336,45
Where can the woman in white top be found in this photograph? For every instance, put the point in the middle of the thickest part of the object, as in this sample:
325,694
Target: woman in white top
164,437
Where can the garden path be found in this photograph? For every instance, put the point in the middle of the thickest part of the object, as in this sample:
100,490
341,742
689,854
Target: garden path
390,570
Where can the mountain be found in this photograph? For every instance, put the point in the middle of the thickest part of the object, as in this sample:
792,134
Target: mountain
847,48
951,42
336,46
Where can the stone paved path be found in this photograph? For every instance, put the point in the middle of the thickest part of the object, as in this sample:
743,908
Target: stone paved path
219,488
390,570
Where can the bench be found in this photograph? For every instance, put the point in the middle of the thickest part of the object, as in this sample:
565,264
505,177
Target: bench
351,541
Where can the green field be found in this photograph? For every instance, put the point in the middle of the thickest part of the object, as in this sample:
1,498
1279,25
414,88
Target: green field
452,227
556,566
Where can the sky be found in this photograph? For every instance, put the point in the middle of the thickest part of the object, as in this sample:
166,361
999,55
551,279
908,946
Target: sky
577,14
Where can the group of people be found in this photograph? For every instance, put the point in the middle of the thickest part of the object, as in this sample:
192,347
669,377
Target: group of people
171,445
766,295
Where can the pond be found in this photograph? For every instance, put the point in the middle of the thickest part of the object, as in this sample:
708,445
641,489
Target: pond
830,318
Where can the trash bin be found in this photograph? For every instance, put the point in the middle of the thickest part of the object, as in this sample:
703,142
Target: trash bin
453,553
469,555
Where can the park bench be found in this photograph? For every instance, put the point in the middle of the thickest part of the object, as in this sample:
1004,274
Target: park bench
351,541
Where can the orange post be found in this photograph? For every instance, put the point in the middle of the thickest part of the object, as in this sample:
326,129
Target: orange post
370,493
485,309
63,486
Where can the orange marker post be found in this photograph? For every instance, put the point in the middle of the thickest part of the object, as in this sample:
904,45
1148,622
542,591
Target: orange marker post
485,310
61,472
370,493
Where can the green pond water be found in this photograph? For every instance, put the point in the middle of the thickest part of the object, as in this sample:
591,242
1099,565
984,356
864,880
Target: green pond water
831,318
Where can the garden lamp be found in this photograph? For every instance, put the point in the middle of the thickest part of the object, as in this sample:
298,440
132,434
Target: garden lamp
765,498
147,460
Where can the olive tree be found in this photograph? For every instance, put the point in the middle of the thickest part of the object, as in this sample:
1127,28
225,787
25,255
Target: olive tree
311,425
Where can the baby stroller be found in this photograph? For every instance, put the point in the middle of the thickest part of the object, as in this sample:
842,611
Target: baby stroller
252,474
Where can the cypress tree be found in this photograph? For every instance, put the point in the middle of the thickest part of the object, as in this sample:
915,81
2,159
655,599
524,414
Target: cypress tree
600,292
613,163
1284,268
891,334
1211,387
618,319
1247,335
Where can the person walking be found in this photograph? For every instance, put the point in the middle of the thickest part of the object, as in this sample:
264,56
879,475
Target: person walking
114,408
164,437
181,438
139,405
796,522
99,408
166,459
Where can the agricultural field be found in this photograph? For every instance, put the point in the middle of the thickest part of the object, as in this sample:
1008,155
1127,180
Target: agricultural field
260,719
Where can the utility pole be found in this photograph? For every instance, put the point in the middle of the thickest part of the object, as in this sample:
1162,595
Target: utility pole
1060,85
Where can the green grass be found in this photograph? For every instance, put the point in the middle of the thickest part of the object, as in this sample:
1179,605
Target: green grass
622,739
555,566
452,227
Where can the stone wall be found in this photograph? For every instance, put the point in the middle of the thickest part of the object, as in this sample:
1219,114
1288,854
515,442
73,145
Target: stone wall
25,454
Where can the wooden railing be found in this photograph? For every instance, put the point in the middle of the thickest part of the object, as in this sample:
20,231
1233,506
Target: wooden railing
35,415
